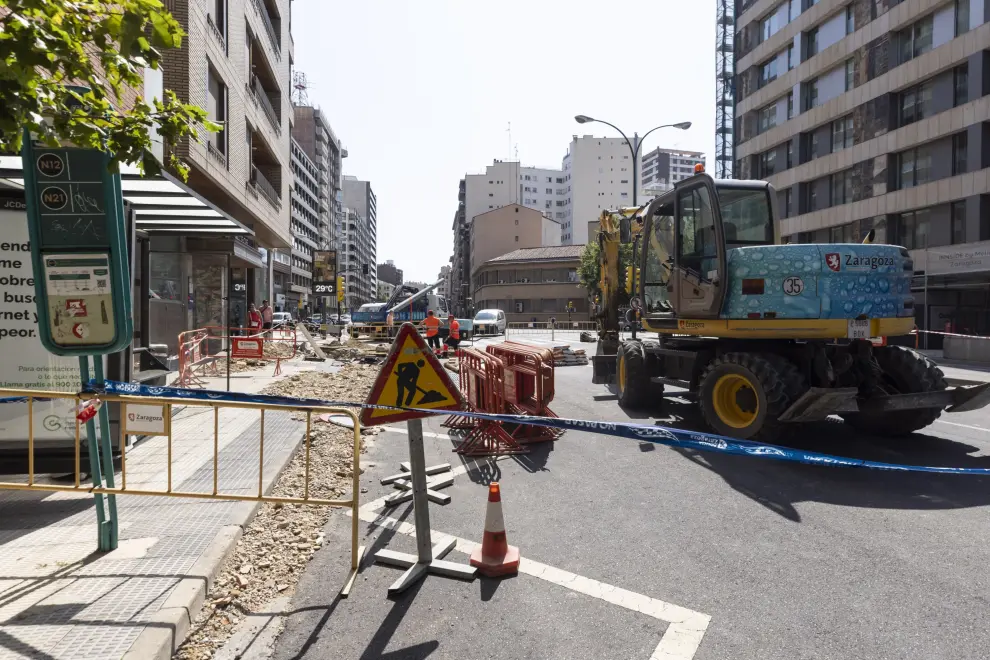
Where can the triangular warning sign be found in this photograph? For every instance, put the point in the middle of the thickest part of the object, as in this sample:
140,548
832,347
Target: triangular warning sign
412,377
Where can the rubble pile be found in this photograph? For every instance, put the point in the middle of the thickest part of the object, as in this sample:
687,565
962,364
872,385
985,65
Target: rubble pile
276,546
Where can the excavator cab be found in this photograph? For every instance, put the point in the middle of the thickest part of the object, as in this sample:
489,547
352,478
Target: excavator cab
687,233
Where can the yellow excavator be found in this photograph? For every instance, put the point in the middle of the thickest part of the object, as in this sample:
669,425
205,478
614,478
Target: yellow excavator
764,335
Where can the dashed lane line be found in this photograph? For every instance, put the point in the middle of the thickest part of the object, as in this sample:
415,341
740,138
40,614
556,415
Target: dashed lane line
685,627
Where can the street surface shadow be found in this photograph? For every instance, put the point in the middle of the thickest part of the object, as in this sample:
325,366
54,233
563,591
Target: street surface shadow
484,470
779,485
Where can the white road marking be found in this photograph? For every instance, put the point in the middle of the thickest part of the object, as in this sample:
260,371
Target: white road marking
685,627
426,434
965,426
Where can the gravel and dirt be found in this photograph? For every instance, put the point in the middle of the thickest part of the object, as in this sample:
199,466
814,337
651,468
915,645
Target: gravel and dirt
276,546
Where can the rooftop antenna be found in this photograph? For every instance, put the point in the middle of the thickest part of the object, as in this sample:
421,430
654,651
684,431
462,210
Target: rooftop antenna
509,130
300,96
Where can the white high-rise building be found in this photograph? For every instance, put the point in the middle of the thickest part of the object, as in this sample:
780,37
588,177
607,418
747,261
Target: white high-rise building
509,182
598,175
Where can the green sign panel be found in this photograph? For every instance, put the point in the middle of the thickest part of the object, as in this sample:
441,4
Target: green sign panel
78,249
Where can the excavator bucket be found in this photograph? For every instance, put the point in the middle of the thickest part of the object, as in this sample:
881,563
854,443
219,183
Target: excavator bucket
603,362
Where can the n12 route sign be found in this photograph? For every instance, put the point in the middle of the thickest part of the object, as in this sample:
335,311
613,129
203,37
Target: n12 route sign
78,250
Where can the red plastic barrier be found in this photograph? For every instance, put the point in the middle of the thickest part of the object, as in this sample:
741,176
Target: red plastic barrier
196,359
528,387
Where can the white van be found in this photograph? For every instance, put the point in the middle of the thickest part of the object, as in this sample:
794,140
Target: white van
489,322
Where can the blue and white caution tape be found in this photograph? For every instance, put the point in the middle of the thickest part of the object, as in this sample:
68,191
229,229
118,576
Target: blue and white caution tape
644,433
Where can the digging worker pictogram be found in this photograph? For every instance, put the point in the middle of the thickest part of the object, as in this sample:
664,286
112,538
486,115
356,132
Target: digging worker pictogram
408,373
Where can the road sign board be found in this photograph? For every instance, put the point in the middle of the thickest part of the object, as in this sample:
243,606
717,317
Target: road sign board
411,377
78,250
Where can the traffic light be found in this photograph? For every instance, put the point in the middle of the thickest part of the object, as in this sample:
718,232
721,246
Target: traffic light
629,278
340,288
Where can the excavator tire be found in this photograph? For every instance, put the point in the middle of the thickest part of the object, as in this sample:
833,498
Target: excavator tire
743,394
632,377
905,371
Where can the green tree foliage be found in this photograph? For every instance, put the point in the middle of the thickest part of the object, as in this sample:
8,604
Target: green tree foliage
589,272
51,51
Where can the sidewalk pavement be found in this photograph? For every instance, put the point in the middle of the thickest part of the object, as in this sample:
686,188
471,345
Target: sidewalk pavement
59,598
959,372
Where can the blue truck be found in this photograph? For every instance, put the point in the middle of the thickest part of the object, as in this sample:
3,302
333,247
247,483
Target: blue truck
406,304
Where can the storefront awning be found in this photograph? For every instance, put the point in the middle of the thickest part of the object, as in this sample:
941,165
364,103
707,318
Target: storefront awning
162,204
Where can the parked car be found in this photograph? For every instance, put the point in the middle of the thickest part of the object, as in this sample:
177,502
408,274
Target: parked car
489,322
282,320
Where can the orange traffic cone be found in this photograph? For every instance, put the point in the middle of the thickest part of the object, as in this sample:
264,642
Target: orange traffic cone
495,557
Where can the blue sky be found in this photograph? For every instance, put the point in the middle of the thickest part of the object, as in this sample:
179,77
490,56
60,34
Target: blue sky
422,92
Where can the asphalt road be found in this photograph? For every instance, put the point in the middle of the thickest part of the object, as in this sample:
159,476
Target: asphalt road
790,561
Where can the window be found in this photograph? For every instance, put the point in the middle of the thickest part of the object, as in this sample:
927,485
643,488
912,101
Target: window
841,184
790,57
790,105
959,149
958,215
517,239
962,16
767,118
812,197
769,26
915,167
850,20
912,229
790,154
960,84
842,133
766,163
850,74
916,103
788,203
696,230
768,72
746,218
216,109
811,38
916,39
549,191
810,90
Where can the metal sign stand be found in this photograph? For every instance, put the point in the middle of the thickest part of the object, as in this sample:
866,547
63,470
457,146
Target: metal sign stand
402,482
429,557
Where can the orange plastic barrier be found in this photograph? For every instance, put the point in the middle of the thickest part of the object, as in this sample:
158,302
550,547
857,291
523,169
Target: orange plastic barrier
528,387
201,350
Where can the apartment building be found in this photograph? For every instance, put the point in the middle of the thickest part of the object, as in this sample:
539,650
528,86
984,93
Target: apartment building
508,229
307,221
460,260
509,182
444,275
875,114
662,168
359,243
311,130
598,174
533,284
387,272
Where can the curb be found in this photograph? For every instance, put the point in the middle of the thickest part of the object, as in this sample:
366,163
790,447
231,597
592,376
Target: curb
167,629
957,382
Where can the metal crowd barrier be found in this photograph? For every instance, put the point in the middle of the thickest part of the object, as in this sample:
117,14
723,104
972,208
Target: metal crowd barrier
507,378
546,328
201,350
30,396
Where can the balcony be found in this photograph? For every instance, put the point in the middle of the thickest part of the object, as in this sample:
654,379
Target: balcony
261,98
261,185
217,34
273,35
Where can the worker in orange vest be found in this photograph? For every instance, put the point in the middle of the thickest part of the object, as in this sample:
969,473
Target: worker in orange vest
454,336
432,325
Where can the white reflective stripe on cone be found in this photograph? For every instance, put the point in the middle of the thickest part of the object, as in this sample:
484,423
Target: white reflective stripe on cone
493,518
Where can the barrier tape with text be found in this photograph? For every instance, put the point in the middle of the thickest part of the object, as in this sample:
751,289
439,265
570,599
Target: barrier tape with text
644,433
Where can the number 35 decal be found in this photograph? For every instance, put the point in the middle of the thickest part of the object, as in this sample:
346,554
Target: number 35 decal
793,286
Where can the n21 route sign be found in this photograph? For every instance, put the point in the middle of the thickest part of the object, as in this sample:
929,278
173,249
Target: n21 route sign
78,250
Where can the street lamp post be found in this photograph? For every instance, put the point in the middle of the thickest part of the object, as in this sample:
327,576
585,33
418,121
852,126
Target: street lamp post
634,150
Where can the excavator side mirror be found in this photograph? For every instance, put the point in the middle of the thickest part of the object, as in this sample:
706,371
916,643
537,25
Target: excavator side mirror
625,230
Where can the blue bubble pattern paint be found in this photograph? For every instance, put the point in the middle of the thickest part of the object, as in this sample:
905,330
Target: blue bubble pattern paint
832,281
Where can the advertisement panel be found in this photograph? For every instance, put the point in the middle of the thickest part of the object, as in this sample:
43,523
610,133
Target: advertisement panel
324,272
24,362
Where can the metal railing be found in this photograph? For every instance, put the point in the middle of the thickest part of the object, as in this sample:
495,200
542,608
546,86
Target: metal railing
30,397
262,185
217,34
216,154
259,7
260,96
